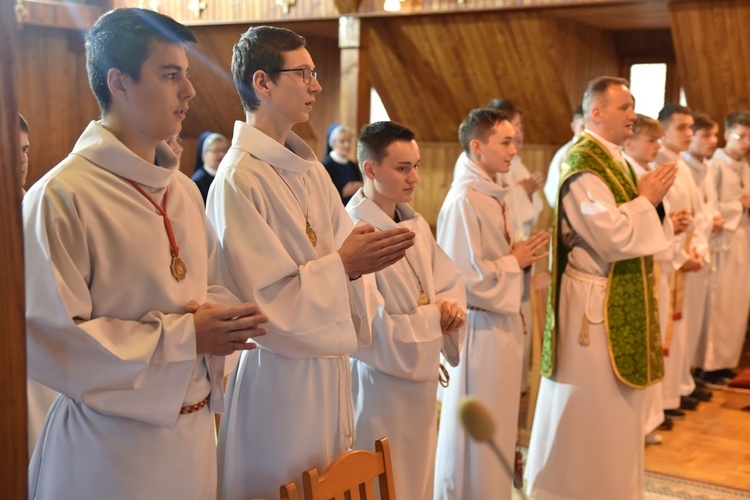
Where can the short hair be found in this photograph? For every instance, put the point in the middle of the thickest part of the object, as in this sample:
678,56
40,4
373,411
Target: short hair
260,48
646,125
669,110
210,140
703,121
596,88
23,124
336,132
375,138
737,118
122,39
478,125
578,112
507,106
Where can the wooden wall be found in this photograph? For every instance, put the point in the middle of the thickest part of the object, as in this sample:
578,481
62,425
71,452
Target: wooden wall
54,94
713,54
14,457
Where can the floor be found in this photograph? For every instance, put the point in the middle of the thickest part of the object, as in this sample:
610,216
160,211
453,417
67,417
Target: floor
711,445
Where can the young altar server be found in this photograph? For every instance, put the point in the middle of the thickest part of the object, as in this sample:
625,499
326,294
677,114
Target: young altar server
395,380
291,248
475,228
123,285
730,291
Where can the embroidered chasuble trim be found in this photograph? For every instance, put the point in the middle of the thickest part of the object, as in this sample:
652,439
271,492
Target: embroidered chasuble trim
631,323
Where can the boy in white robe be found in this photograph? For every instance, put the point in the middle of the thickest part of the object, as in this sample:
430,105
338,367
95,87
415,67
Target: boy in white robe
124,281
291,248
396,378
525,203
694,312
640,151
475,229
730,301
689,253
555,167
587,437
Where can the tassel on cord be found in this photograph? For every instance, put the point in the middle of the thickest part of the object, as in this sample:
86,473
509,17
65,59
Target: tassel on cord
583,338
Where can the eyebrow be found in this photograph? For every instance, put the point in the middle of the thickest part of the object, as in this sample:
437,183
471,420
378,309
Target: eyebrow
173,66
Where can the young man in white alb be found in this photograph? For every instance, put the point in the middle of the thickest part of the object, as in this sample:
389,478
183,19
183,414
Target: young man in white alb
730,292
124,278
395,379
290,246
475,228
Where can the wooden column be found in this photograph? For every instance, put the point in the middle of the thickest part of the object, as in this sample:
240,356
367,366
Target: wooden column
13,450
355,83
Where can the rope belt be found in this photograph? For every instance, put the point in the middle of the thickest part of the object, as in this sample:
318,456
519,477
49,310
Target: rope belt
346,405
591,280
475,308
186,410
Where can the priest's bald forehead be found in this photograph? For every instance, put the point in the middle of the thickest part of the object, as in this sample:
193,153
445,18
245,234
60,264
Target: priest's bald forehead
596,92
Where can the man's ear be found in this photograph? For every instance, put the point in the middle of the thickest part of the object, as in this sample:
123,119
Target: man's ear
261,83
369,169
476,147
116,83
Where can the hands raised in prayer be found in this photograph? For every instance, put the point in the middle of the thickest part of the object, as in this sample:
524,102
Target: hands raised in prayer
694,262
452,316
681,220
533,183
367,251
534,248
222,330
655,184
718,223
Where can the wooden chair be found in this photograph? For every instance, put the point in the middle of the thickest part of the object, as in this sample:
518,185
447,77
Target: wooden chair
288,492
351,476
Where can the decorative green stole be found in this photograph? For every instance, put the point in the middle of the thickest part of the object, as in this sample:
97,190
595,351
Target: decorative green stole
631,318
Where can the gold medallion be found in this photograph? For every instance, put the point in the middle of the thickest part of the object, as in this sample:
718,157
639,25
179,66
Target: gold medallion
311,233
423,300
178,268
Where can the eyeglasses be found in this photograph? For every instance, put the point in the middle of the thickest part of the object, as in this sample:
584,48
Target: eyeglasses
307,74
738,137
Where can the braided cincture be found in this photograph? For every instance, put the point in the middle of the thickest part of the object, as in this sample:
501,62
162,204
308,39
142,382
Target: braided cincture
186,410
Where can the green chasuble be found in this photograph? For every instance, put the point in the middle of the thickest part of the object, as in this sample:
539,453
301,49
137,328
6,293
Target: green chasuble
631,317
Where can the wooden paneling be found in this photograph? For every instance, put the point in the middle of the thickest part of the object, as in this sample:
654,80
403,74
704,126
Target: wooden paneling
605,14
713,56
217,11
14,449
57,14
54,94
431,70
581,53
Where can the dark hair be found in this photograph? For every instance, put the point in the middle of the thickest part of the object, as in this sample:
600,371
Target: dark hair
737,118
669,110
122,39
703,120
596,88
23,124
478,125
375,138
507,106
260,48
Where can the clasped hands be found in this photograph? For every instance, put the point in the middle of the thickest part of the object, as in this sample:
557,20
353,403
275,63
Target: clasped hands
221,330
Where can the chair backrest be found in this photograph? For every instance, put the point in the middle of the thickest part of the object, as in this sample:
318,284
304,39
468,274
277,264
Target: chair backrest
351,476
288,492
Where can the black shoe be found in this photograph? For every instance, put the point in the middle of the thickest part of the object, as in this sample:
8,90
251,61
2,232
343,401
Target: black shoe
666,425
688,403
702,394
715,380
727,374
674,414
